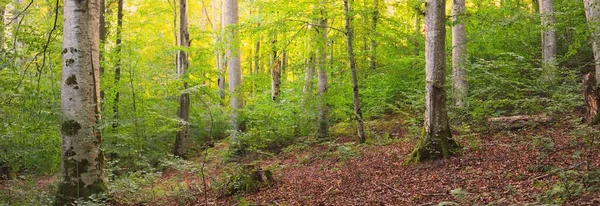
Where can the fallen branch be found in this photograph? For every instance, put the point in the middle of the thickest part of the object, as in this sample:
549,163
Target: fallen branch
517,122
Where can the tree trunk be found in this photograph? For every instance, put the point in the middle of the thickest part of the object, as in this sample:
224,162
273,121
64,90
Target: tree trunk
118,65
82,160
459,52
321,53
233,64
591,97
349,38
373,43
417,33
548,38
257,55
275,80
437,141
102,34
218,59
275,68
592,13
309,76
182,138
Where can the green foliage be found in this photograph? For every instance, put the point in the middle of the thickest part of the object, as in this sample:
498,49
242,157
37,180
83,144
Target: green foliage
27,192
242,179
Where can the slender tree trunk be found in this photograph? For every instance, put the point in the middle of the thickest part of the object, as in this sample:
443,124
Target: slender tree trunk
323,117
459,52
349,38
373,43
275,68
590,80
257,55
417,34
275,80
592,13
548,37
284,64
233,64
309,77
182,138
82,160
102,34
218,59
437,141
118,64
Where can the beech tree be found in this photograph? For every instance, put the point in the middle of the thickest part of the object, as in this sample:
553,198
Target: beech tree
182,138
352,60
321,55
590,80
236,101
118,63
549,46
592,13
459,52
82,160
437,140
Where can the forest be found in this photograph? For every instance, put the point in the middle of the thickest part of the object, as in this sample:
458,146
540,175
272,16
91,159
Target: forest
300,102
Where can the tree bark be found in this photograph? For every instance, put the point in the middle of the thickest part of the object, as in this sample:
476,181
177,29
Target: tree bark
275,80
102,34
233,64
321,53
592,13
218,56
437,141
182,138
459,52
82,160
351,59
118,64
309,76
548,34
591,97
373,43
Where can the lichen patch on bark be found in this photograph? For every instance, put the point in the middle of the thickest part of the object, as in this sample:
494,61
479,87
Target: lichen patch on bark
70,127
71,80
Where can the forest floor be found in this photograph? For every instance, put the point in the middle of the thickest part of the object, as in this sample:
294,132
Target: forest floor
544,164
530,166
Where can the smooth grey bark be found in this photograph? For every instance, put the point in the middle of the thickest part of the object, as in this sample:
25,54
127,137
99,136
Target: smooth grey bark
218,52
321,55
182,138
459,52
548,20
309,77
372,42
352,60
118,64
592,13
233,64
82,159
437,141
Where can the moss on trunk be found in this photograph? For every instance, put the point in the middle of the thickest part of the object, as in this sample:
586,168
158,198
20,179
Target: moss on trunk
435,145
